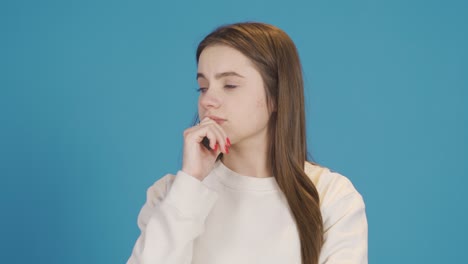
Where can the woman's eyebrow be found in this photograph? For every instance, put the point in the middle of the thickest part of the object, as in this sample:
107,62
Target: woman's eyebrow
220,75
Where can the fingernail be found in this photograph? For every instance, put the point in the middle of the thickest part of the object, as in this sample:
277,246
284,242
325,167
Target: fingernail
216,147
228,142
227,150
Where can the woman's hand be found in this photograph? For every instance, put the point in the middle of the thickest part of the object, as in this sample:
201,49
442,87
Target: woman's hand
198,161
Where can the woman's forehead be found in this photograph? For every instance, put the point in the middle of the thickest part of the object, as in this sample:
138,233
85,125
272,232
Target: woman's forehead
222,61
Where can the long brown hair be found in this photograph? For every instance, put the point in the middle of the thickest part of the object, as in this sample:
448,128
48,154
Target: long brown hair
276,58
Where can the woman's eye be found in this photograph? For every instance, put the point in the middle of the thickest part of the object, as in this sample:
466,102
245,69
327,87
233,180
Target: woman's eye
230,86
201,90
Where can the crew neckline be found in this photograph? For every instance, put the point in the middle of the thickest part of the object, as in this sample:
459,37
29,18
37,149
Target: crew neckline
244,182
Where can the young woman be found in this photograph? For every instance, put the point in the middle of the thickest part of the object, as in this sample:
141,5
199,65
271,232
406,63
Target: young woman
246,192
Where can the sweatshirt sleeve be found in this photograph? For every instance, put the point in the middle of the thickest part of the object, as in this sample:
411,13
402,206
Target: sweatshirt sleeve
171,219
345,231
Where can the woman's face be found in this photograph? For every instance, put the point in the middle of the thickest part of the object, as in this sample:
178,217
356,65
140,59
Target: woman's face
232,89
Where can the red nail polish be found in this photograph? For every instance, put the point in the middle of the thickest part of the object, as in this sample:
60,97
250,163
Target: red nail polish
228,142
216,147
227,150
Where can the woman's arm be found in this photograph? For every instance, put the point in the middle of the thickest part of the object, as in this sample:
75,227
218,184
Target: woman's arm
345,231
170,220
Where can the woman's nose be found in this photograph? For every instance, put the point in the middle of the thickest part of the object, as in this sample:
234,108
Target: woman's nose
210,99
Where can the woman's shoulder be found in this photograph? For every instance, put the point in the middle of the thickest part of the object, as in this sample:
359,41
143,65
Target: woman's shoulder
343,215
331,186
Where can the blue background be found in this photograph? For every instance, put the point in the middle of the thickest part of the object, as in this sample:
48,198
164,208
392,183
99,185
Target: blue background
95,95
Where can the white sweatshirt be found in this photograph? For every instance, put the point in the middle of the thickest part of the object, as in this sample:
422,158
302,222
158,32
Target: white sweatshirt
231,218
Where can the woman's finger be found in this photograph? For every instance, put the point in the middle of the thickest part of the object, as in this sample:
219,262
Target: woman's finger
220,135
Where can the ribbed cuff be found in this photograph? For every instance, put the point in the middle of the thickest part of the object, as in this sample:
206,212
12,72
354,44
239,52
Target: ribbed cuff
190,196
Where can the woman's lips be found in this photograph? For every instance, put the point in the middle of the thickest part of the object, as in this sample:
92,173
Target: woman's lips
218,120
